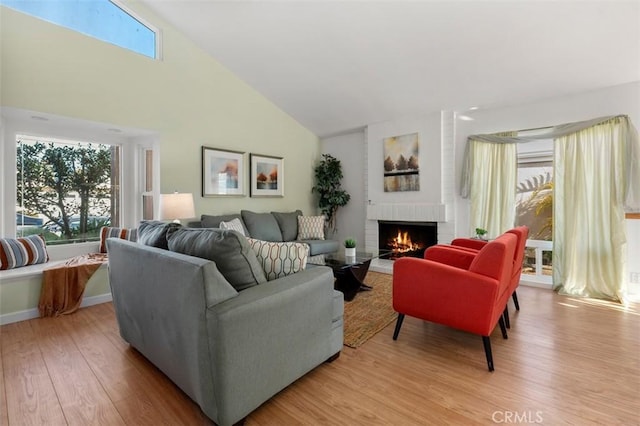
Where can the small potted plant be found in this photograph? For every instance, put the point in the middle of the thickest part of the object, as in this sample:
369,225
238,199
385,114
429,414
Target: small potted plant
480,233
350,247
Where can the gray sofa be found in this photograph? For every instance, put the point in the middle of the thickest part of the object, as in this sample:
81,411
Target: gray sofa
230,351
273,226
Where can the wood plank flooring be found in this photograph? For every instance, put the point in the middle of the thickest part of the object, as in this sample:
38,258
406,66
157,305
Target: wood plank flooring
567,361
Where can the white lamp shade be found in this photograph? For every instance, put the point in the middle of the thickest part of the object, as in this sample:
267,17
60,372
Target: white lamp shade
176,206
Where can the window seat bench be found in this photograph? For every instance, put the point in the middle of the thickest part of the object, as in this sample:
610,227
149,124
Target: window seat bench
20,288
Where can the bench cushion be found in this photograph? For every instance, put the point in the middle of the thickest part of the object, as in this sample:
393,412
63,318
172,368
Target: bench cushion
18,252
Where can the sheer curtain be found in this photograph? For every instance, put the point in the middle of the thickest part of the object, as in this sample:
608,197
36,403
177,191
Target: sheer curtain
597,177
492,186
591,168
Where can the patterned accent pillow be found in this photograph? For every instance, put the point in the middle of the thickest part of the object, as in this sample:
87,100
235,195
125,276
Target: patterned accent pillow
310,228
17,252
280,259
234,225
122,233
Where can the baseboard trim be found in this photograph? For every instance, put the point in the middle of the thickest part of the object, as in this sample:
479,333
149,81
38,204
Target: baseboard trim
28,314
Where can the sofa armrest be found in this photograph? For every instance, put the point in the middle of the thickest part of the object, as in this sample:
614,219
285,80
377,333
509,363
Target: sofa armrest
267,337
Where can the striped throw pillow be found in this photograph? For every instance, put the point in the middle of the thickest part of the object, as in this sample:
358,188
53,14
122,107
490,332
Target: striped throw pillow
122,233
234,225
280,259
310,228
17,252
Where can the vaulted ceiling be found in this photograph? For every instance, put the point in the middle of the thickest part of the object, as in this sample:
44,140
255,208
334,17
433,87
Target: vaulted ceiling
335,66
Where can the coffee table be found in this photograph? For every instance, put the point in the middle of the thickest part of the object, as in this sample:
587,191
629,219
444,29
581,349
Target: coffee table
349,272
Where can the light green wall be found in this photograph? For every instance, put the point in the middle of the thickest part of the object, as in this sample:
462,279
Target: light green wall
188,98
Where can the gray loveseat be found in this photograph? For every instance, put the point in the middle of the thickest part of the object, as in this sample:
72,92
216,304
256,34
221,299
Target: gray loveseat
229,350
273,226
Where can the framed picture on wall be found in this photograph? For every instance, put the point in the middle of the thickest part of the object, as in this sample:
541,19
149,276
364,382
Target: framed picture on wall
222,172
267,176
402,163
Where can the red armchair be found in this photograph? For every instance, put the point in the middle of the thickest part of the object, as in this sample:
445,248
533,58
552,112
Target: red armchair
522,233
470,299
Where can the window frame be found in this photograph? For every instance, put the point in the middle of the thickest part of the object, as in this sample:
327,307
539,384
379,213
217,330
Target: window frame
115,221
14,122
157,32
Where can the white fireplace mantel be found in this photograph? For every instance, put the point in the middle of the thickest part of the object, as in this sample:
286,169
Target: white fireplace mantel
408,212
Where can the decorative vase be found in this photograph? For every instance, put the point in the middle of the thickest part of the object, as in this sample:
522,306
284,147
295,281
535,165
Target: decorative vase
350,251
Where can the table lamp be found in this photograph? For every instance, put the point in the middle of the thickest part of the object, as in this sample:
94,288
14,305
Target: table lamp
176,206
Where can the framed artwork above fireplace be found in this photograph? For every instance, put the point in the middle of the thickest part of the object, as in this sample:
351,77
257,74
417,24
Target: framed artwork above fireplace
401,163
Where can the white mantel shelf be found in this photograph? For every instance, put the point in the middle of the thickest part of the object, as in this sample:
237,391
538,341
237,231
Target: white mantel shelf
409,212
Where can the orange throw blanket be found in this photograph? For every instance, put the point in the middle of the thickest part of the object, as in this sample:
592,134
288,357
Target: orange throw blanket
63,285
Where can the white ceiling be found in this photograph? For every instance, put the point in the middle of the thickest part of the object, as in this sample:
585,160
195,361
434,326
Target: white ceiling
339,65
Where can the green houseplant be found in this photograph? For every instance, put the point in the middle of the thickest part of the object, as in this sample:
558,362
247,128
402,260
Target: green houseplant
331,196
350,247
480,233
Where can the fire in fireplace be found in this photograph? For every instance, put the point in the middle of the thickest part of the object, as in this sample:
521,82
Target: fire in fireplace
406,238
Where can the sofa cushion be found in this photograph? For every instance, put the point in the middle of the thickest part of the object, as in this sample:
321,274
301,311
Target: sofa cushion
111,232
230,251
310,228
280,259
154,233
18,252
234,225
288,224
208,221
261,226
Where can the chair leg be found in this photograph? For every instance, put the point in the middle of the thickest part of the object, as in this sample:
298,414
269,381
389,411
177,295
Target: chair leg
503,328
514,296
398,325
505,314
486,341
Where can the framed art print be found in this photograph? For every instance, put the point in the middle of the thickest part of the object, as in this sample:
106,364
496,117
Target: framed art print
267,176
401,163
222,172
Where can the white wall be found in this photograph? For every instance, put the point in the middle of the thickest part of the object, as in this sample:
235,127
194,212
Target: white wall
622,99
349,149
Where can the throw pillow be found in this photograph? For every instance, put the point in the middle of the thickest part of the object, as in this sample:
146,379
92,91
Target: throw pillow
280,259
288,223
17,252
233,256
262,226
208,221
154,233
122,233
234,225
310,228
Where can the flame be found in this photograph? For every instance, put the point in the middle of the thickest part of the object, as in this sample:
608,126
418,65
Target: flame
402,243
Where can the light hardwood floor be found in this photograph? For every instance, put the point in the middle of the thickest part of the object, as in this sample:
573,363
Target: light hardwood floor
567,361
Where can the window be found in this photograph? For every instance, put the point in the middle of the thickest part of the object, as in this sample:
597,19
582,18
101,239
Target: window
101,19
534,205
131,153
66,190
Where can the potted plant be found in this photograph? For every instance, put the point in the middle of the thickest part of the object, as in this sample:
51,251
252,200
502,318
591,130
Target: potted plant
480,233
350,247
328,174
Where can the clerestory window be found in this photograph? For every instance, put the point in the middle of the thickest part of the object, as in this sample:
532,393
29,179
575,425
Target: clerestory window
106,20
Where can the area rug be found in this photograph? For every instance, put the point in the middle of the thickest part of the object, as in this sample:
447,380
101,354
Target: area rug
370,311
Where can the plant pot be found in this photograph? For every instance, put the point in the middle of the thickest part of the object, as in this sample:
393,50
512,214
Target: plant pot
350,251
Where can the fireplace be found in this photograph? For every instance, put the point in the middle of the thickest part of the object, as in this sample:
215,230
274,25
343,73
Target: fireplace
406,238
